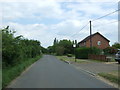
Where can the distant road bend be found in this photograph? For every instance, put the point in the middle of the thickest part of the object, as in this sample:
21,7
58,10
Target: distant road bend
49,72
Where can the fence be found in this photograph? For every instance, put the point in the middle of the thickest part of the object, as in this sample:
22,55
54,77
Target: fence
97,57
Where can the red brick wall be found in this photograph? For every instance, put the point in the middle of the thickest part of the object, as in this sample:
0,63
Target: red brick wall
95,39
82,44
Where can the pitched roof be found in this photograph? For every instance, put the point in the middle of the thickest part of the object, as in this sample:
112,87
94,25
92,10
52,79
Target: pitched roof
87,38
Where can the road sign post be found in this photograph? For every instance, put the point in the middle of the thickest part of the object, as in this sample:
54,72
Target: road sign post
74,46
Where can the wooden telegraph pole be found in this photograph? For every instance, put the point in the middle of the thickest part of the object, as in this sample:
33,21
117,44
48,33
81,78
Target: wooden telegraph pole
90,35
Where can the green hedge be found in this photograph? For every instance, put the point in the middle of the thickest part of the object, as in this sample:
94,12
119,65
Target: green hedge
83,52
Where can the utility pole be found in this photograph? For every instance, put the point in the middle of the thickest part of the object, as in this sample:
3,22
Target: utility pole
90,35
119,22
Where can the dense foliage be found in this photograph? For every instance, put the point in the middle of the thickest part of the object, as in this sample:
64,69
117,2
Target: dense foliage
44,50
62,47
116,45
110,50
83,52
16,49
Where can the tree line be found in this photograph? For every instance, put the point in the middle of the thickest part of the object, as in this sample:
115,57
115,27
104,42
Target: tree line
62,47
16,49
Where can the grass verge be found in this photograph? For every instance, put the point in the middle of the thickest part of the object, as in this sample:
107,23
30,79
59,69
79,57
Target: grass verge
112,76
11,73
98,61
71,59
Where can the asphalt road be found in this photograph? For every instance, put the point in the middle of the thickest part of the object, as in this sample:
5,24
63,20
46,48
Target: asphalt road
49,72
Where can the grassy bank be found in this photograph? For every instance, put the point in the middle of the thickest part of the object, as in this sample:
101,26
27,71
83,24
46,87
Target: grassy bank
111,76
11,73
71,59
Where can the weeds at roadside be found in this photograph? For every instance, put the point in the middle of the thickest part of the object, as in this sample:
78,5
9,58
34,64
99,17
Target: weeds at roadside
111,77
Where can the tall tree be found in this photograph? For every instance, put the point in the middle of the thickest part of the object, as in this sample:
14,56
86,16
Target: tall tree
67,44
55,41
116,45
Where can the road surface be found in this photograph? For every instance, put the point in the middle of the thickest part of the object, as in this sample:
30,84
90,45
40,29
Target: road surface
49,72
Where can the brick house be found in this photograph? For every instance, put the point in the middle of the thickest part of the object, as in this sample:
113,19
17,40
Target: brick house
98,40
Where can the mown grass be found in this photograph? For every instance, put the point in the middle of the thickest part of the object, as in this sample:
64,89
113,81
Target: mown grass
72,59
112,76
98,61
11,73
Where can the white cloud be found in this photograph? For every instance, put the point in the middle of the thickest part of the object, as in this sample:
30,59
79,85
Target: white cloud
52,9
43,9
67,27
92,9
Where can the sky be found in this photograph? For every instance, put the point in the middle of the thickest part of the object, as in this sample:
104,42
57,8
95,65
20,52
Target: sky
45,20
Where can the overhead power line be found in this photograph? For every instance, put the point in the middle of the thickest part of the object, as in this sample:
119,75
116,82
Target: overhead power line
105,24
80,29
106,15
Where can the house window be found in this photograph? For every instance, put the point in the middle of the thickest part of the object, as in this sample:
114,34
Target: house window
99,42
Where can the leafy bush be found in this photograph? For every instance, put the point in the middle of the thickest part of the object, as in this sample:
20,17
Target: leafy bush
15,49
110,50
44,50
65,45
116,45
69,55
95,50
83,52
60,50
